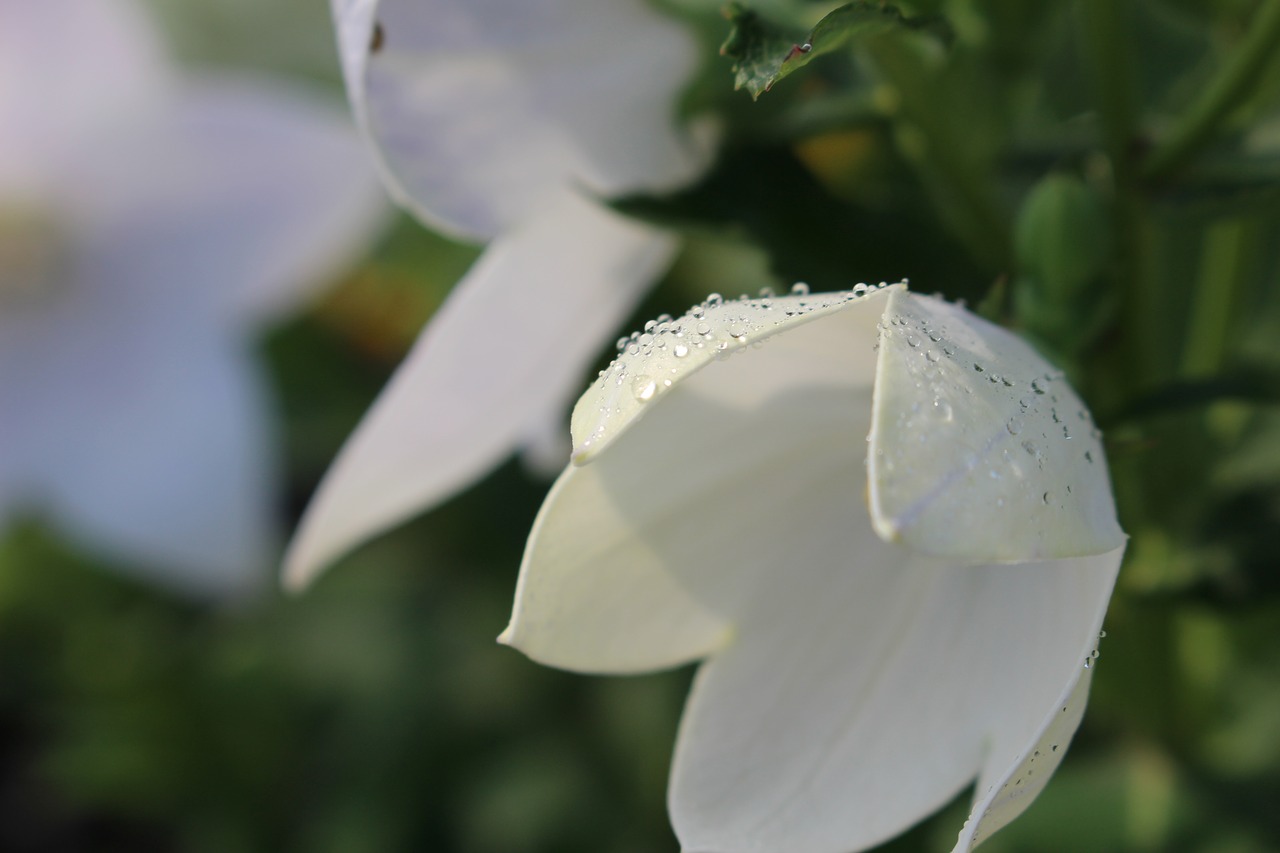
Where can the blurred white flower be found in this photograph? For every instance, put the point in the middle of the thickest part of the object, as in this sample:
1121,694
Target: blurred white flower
502,121
876,637
150,222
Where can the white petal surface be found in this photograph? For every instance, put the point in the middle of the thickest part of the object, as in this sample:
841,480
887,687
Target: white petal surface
671,352
1014,788
515,335
150,447
58,58
853,685
867,691
245,195
483,108
594,593
979,450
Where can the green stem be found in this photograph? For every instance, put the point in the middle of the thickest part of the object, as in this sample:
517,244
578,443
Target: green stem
1224,268
931,138
1108,57
1107,43
1233,83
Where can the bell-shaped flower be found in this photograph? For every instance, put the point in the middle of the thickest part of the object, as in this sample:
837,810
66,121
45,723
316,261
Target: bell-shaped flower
150,222
503,121
884,523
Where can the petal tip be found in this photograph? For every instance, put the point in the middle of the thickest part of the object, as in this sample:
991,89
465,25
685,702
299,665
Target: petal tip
888,529
298,573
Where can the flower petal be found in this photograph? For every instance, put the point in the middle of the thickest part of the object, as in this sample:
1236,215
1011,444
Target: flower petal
54,57
638,559
515,336
671,352
864,690
151,447
1015,788
482,108
979,450
245,194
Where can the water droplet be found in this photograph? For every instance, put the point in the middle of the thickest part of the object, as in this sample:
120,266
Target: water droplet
715,299
943,408
648,326
800,289
644,388
978,367
912,341
704,329
1037,386
931,355
1014,426
1088,456
860,289
1045,498
680,350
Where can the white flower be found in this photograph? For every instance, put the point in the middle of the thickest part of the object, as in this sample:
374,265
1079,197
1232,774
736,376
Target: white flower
504,121
875,637
149,223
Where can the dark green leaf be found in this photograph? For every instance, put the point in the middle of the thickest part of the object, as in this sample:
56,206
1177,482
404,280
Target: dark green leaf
764,52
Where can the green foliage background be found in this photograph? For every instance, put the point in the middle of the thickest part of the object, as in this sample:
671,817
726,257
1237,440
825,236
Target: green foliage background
1102,175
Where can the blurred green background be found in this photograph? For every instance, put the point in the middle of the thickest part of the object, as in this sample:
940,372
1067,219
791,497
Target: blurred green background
1017,165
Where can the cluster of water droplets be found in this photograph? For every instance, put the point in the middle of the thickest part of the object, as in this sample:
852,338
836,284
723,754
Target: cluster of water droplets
1093,656
652,360
1046,429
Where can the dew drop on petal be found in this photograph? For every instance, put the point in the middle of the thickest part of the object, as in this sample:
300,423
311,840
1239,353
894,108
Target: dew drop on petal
644,388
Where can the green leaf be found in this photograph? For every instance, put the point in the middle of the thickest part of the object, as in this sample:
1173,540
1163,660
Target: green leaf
764,52
1062,245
